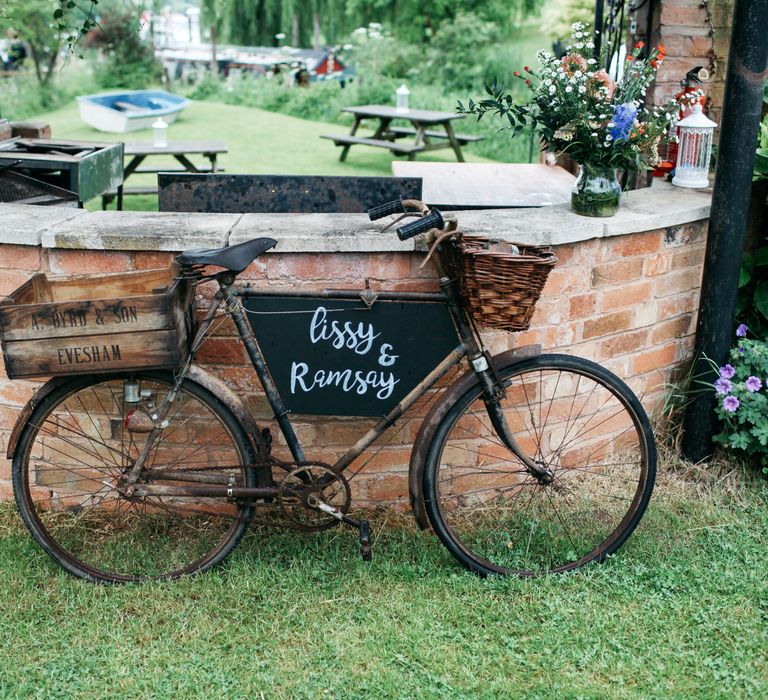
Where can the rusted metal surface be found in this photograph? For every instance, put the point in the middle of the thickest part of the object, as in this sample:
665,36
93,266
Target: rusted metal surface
437,413
186,192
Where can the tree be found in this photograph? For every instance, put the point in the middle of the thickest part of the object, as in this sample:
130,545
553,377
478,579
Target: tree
46,26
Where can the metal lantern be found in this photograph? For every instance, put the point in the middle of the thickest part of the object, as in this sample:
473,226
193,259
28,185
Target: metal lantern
694,149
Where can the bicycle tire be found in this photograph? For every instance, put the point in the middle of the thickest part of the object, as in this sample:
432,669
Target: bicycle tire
569,414
78,441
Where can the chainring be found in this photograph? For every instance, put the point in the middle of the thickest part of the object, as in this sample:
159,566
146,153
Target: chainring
313,482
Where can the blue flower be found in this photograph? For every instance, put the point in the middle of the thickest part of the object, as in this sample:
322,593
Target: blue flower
723,386
741,331
623,121
753,384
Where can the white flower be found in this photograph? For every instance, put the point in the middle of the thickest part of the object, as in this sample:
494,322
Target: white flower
591,61
552,89
582,89
568,88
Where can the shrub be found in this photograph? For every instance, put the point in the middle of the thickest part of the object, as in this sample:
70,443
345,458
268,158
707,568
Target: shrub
742,400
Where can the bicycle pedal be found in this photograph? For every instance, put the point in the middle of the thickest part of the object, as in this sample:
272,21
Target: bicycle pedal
365,541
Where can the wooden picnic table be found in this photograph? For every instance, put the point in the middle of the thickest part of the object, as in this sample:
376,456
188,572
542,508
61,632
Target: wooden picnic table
430,130
489,185
181,151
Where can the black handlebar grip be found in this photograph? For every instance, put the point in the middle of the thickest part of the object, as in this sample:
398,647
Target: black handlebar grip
432,220
382,210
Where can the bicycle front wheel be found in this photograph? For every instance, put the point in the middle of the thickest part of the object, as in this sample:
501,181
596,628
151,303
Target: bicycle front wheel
83,437
568,415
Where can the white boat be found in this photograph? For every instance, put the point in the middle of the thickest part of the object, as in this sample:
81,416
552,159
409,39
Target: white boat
129,110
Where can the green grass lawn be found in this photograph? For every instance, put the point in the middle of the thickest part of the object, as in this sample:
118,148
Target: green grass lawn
258,142
678,612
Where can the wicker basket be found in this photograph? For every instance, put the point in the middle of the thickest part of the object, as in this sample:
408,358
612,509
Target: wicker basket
501,286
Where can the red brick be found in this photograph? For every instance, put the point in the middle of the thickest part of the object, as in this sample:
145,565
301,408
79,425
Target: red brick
688,257
676,282
84,262
152,260
11,280
623,343
626,295
388,488
682,15
607,324
678,304
673,328
617,271
659,358
637,243
582,305
566,280
223,351
19,257
655,265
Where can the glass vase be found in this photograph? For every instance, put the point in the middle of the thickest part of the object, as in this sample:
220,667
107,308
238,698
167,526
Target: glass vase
596,192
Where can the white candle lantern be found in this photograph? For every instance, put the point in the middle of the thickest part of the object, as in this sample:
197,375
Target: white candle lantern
401,98
694,148
160,133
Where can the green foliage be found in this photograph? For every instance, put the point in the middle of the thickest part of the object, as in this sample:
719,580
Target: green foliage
742,404
128,61
752,301
33,21
257,23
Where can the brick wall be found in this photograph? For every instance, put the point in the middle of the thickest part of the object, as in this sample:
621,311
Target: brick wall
626,301
683,26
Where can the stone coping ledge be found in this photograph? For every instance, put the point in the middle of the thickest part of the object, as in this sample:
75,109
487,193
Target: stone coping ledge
660,206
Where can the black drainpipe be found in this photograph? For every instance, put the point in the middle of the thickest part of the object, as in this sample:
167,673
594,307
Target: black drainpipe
742,104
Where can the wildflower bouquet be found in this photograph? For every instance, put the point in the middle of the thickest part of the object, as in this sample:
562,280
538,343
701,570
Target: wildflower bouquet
742,399
579,109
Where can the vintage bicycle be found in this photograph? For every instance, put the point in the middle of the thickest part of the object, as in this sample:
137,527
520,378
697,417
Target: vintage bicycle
133,463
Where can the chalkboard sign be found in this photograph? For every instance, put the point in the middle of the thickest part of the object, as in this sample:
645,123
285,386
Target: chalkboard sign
337,357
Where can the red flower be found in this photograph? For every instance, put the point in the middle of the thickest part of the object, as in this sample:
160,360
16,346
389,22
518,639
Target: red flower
661,48
526,69
630,58
528,82
639,44
516,73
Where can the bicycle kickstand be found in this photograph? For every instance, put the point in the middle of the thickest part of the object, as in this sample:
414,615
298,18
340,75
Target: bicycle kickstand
362,526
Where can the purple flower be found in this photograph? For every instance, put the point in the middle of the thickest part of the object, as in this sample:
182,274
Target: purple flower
723,386
741,348
730,404
753,384
623,121
741,331
727,372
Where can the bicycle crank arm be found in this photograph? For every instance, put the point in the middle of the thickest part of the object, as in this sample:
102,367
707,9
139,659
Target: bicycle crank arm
361,525
538,471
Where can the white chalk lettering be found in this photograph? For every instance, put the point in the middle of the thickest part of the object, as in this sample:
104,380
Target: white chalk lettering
349,381
357,338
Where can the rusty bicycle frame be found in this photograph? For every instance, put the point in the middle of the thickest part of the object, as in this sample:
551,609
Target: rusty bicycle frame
229,297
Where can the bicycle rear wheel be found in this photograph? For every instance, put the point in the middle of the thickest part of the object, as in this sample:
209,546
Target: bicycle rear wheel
569,415
84,436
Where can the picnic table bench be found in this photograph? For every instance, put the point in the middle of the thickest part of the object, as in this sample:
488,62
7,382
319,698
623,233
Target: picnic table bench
431,130
179,150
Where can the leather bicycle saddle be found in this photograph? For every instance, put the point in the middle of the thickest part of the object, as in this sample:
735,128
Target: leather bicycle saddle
234,257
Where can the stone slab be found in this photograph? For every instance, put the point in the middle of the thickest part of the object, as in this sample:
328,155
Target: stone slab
320,233
24,224
135,230
660,206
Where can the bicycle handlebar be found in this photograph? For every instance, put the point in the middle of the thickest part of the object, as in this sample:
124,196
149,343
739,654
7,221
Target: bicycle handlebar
394,207
432,220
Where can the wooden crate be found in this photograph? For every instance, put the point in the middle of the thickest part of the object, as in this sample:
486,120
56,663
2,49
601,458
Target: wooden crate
86,325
